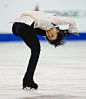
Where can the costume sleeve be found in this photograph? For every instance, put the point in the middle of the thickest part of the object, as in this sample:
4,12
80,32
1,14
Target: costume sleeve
64,21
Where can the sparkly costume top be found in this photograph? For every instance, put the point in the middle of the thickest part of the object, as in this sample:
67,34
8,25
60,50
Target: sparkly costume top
46,21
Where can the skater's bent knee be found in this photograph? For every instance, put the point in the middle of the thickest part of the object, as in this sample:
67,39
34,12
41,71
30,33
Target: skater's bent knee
36,51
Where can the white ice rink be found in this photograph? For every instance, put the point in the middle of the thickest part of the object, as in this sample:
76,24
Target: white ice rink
60,73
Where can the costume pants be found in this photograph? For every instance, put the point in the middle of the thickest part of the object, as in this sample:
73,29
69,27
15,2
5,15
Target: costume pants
27,33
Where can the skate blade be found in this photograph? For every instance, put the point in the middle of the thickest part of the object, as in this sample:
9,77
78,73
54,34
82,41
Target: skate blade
29,88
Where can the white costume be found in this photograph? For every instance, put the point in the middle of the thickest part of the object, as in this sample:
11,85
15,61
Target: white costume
45,21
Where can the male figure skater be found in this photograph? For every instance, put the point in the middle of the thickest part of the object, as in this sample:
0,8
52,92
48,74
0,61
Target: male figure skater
31,23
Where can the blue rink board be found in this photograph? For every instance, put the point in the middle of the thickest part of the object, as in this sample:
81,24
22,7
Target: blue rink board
11,37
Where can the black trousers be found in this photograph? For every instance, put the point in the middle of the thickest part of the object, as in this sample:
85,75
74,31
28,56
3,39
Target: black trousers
27,33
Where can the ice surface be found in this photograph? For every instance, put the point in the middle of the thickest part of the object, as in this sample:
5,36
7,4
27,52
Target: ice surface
60,73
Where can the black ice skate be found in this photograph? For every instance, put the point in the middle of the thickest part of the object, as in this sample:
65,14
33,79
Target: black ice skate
30,84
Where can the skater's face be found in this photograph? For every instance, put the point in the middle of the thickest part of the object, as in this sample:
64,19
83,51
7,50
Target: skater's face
52,34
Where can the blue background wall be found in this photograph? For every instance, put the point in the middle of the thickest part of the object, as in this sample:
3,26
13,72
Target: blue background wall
11,37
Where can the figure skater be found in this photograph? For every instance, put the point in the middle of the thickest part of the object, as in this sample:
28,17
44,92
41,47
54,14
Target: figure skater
33,23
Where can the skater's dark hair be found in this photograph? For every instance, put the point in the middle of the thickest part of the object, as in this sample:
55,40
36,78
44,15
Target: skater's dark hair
59,40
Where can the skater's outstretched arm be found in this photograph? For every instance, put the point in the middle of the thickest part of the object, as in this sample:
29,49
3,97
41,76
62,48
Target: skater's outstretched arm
64,21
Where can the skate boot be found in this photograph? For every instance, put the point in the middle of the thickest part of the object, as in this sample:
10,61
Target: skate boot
30,84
